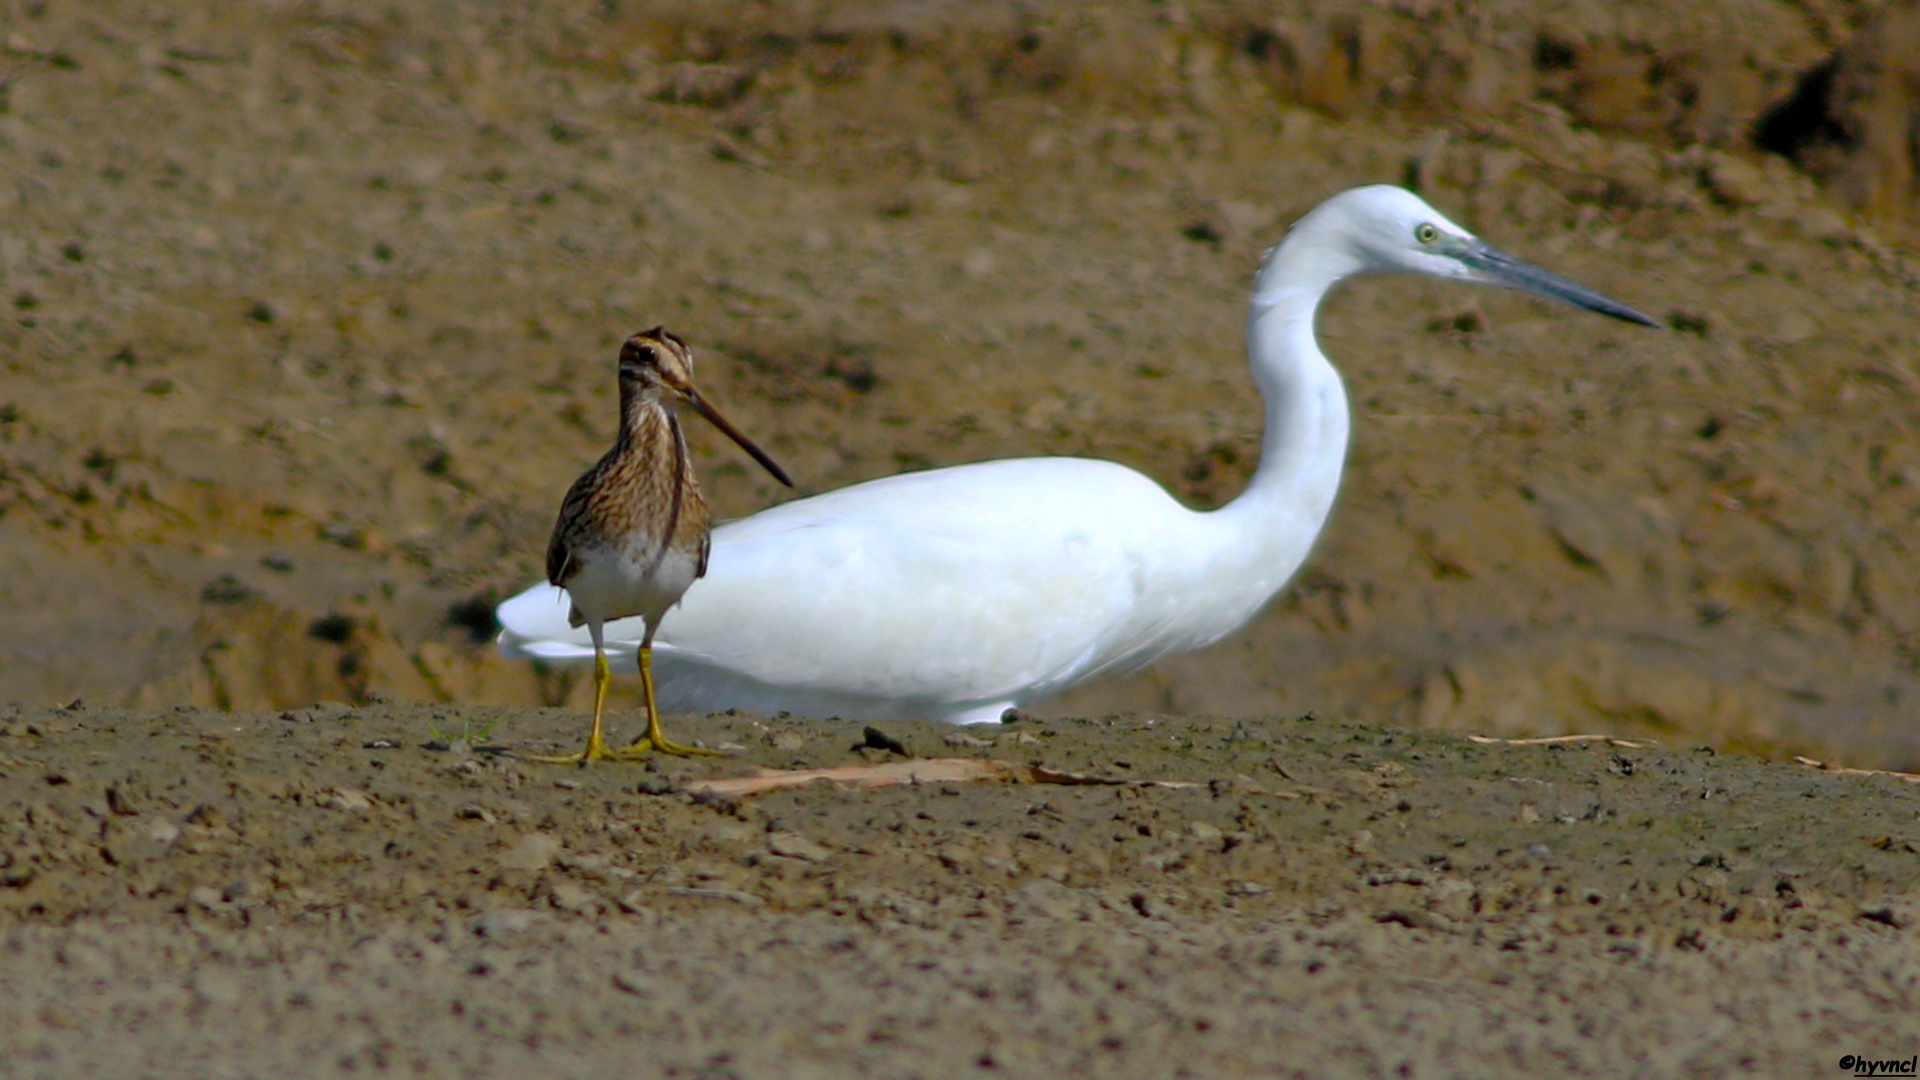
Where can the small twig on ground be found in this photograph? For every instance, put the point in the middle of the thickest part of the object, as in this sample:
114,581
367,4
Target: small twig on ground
1842,770
1550,740
921,771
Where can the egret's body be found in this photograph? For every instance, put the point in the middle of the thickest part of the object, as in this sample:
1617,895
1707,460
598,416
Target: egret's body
957,593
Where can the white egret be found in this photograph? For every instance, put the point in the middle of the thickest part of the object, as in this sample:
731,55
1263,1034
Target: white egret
955,594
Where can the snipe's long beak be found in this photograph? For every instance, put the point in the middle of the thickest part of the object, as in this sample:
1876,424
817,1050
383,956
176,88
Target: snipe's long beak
713,416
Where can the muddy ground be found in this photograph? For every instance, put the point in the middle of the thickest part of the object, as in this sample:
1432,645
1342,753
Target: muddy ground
333,889
310,313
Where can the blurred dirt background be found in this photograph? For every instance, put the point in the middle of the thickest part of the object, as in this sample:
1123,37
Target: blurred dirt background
313,309
308,314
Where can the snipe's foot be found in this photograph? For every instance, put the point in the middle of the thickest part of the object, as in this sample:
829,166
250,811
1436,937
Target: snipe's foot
595,750
649,744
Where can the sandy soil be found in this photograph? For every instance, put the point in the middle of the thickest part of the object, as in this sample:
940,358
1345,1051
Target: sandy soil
309,317
334,889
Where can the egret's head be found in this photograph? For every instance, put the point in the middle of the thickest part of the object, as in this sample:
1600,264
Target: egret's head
1389,230
1384,229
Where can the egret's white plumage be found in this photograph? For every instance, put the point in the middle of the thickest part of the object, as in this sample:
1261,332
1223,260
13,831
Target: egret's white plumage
957,593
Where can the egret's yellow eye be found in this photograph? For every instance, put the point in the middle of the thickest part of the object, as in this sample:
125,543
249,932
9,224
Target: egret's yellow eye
1425,233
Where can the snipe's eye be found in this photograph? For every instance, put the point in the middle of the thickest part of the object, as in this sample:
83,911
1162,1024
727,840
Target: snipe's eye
648,356
1425,233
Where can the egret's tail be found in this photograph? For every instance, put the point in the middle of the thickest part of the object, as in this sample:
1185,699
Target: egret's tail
533,626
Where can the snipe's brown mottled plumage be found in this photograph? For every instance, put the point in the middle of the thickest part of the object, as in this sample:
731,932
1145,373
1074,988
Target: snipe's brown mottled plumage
633,532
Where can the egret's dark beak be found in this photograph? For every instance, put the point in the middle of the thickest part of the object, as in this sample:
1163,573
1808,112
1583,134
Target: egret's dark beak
1495,267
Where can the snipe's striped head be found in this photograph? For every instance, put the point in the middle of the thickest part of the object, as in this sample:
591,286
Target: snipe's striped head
659,362
657,366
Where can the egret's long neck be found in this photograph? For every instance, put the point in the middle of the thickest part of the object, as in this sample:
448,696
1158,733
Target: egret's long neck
1305,444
